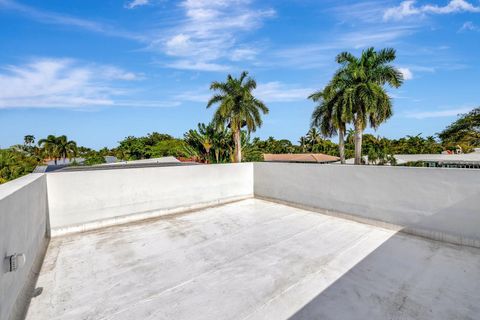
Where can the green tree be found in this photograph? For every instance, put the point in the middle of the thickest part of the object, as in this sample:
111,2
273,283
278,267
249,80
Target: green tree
94,158
465,130
66,148
172,147
303,144
131,148
331,115
29,140
313,136
212,144
49,146
15,163
360,82
237,107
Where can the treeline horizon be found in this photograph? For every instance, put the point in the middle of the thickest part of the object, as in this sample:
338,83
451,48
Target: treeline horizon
209,145
353,100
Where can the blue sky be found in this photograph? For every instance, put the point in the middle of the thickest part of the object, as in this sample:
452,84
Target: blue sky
102,70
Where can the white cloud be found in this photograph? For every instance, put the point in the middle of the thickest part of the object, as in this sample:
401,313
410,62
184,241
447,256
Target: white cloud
198,66
274,91
50,17
210,32
407,73
279,92
200,95
469,26
323,55
439,113
408,8
136,3
60,83
242,54
115,73
375,36
365,11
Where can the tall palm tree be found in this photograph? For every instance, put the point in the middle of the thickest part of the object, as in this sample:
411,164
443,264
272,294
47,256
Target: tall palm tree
361,83
331,116
58,147
313,137
66,148
49,145
237,108
303,143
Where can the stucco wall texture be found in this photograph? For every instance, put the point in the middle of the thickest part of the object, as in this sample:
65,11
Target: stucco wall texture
438,203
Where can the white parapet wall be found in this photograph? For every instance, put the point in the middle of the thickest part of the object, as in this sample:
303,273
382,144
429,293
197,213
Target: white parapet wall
439,203
80,201
23,230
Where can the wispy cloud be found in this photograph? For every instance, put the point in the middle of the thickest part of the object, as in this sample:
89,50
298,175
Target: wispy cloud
407,73
198,66
209,34
469,26
365,11
136,3
65,83
280,92
323,53
50,17
408,8
374,36
438,113
268,92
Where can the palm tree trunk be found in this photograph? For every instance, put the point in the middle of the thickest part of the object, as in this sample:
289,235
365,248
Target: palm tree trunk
358,142
341,146
238,146
207,160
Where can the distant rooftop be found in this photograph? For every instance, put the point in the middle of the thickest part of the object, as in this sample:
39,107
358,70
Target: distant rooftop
144,163
300,157
465,159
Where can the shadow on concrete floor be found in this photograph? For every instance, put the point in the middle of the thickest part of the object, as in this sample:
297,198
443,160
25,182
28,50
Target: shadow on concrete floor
406,277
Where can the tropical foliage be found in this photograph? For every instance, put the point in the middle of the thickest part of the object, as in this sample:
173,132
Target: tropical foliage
356,94
94,158
15,163
171,147
464,132
352,100
57,148
210,143
133,148
237,108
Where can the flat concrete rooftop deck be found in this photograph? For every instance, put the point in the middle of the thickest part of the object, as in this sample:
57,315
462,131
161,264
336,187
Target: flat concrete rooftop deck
255,260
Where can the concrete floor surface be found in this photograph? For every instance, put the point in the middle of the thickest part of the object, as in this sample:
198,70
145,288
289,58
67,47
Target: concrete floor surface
255,259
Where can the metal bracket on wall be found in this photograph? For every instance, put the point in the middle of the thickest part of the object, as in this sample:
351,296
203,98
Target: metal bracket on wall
16,261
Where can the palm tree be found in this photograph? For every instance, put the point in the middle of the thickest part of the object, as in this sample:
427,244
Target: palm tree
58,147
313,137
29,139
237,108
66,148
361,82
222,142
49,146
303,143
331,116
